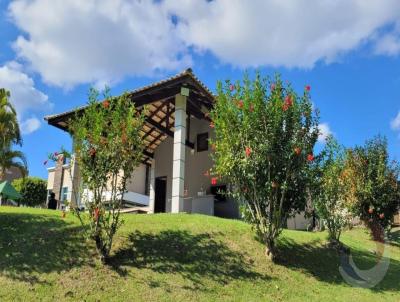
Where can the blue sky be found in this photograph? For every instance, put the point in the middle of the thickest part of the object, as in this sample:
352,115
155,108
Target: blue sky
348,51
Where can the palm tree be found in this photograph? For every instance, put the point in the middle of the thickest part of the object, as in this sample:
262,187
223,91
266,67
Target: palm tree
9,128
11,158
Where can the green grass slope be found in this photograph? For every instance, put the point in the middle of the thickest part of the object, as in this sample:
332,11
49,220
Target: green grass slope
177,257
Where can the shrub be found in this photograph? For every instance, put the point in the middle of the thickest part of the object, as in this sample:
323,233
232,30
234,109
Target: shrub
373,185
32,189
265,134
329,190
108,147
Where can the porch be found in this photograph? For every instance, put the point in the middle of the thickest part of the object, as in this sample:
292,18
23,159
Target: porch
176,156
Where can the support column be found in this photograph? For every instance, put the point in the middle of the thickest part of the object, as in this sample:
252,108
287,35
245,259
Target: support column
178,169
152,192
75,182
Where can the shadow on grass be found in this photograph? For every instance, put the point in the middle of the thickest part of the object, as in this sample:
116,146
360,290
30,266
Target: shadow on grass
193,256
35,244
394,237
323,263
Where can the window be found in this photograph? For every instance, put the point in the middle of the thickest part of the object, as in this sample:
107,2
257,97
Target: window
64,194
202,142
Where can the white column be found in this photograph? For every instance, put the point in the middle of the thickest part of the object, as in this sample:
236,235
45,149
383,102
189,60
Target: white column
152,192
178,169
75,182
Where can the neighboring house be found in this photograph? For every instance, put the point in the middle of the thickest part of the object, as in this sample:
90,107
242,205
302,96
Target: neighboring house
172,175
59,182
11,174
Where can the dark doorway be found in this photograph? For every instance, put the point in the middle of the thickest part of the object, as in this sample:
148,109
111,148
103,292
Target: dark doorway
160,195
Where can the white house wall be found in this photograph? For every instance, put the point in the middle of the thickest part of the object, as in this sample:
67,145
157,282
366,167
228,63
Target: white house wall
137,183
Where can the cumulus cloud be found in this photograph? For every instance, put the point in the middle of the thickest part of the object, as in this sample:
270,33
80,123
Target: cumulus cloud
281,33
24,96
30,125
395,123
73,42
324,132
92,41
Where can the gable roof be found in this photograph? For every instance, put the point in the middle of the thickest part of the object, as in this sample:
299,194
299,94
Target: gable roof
160,98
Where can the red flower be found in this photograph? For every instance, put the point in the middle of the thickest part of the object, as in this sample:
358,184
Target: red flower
370,210
248,151
240,104
297,150
45,162
310,157
272,86
231,87
381,216
289,100
285,107
212,125
106,104
214,181
308,87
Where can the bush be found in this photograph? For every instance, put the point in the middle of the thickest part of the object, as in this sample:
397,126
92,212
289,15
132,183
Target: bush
329,190
374,191
32,189
108,148
265,135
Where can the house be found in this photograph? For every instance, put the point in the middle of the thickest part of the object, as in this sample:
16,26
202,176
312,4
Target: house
11,174
59,181
172,175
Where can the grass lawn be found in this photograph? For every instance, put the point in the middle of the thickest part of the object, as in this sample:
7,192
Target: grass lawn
177,257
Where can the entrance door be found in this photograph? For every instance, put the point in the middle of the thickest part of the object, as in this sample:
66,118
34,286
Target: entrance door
160,194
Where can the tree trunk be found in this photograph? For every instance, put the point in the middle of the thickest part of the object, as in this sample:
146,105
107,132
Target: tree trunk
270,250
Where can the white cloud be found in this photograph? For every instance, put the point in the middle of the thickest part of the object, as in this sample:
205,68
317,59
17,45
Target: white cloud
92,41
389,45
324,132
395,123
281,33
73,42
30,125
24,96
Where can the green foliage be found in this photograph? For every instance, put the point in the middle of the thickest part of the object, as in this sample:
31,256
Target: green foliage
329,189
32,189
263,145
374,191
9,128
108,148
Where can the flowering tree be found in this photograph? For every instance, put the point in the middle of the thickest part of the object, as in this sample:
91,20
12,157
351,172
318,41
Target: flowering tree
329,190
265,134
108,148
373,185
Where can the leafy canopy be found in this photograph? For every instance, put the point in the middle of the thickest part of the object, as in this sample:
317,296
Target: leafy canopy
264,139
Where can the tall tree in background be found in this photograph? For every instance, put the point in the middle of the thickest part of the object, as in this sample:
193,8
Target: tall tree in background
10,135
9,128
265,135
